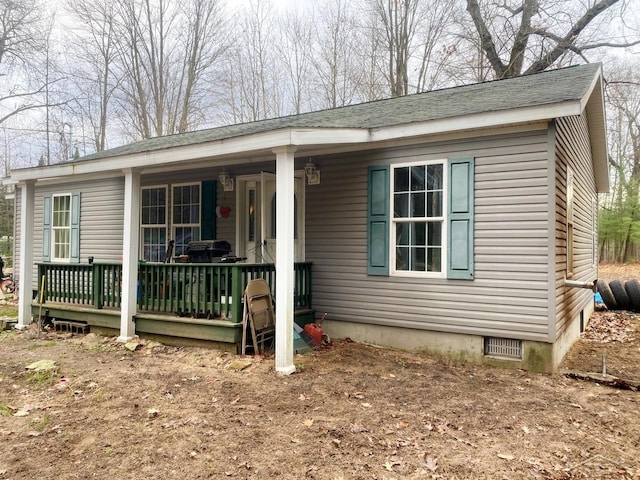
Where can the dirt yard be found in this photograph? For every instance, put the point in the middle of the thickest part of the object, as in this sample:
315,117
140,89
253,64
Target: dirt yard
351,412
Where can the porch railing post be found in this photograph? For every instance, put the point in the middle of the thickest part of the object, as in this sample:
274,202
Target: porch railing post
97,281
41,294
237,288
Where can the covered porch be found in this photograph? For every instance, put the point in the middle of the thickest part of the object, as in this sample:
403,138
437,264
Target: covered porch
194,301
112,278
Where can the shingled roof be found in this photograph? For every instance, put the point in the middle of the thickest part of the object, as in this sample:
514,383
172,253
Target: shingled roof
546,88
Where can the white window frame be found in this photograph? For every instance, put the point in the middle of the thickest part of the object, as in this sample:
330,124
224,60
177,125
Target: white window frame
443,219
164,225
55,229
174,224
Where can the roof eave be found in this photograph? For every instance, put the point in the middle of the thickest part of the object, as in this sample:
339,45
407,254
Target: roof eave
296,136
264,141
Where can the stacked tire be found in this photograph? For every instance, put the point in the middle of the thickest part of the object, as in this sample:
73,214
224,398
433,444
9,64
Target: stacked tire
619,295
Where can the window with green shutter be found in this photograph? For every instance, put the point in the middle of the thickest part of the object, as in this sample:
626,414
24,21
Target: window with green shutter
61,228
420,219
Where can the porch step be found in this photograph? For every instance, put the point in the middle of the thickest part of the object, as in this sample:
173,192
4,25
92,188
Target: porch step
70,326
7,323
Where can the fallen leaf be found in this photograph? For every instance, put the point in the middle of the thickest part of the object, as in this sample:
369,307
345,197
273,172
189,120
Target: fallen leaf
355,428
431,463
506,456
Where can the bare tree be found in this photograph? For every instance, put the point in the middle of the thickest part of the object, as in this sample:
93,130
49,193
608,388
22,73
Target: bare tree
296,53
528,36
398,21
254,76
21,40
96,44
339,56
165,53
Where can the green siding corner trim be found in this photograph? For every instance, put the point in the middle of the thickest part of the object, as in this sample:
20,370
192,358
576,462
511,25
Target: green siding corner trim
460,219
378,206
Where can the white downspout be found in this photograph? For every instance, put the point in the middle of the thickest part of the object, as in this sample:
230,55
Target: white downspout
285,255
27,210
130,246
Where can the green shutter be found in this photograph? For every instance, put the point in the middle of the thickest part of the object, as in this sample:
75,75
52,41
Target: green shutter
74,256
460,219
46,228
378,206
208,210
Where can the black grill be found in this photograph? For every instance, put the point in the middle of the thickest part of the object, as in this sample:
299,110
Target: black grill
207,251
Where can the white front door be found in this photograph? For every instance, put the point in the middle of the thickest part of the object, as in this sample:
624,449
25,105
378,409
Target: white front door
257,221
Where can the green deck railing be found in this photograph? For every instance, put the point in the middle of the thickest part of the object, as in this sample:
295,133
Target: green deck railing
209,290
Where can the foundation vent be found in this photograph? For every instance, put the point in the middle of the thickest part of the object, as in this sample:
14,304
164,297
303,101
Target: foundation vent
503,347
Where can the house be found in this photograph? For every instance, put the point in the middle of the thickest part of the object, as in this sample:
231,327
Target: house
461,221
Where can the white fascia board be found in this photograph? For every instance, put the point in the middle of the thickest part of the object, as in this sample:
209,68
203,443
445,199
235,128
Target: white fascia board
478,120
597,124
219,148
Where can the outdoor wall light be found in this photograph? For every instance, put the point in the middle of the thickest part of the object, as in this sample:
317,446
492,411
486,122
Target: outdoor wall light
312,173
226,180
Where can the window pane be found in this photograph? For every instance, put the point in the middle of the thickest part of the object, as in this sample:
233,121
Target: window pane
401,205
417,178
402,234
435,234
418,259
402,258
401,180
434,204
434,260
417,204
434,177
419,233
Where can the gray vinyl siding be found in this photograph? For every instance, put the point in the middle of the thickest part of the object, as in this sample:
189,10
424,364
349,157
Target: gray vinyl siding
509,295
573,149
101,219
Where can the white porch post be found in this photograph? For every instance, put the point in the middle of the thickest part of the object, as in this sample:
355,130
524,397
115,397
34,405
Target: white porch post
285,250
27,207
130,245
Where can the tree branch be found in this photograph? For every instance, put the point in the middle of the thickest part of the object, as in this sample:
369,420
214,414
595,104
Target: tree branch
486,41
516,60
569,39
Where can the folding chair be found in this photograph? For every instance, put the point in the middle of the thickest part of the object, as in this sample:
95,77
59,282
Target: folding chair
258,316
